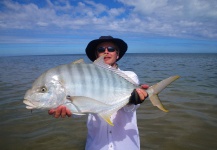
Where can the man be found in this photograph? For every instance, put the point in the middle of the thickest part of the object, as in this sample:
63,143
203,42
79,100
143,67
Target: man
124,134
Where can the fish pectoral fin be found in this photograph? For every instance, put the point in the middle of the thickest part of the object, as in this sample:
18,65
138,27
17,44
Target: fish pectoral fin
86,104
106,116
82,100
79,114
156,102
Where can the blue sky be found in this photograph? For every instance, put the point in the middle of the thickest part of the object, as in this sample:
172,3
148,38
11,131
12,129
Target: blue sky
37,27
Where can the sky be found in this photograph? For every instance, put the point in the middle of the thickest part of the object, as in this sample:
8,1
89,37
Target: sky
41,27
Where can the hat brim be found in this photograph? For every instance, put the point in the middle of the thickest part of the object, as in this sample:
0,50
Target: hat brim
91,47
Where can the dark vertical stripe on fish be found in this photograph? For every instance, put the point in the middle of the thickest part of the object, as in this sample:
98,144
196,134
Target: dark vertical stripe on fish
109,82
101,80
78,71
90,80
69,74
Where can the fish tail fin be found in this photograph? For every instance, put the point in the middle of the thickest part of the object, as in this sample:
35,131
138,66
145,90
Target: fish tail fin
154,90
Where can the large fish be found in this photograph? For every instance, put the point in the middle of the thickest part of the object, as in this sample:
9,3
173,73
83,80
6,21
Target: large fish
88,88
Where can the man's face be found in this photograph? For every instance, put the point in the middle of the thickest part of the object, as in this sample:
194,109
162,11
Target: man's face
110,57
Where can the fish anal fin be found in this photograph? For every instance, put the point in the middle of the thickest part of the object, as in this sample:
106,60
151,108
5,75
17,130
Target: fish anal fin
106,114
106,117
88,105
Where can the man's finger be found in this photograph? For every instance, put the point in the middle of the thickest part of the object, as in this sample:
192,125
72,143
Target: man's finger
144,86
51,112
141,94
68,113
58,112
63,113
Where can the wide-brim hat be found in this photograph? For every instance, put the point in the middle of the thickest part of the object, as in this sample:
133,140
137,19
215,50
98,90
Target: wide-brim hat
91,47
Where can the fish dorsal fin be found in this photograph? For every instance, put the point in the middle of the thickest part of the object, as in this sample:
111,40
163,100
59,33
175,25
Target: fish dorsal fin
80,61
100,62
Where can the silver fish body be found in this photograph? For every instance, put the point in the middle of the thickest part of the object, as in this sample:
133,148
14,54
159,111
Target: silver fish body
87,88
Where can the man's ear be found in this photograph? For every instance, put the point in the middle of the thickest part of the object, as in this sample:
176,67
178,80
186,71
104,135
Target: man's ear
117,57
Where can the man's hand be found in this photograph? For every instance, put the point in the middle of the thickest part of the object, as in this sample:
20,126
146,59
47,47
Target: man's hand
62,111
142,93
138,95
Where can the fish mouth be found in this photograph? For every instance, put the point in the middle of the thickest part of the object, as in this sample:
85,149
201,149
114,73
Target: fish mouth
29,105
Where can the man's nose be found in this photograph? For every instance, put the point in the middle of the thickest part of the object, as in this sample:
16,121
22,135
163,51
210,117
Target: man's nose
106,51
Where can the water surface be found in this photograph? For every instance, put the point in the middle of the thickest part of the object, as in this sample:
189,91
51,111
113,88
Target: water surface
192,101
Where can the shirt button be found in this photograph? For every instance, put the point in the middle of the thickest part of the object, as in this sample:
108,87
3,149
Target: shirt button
110,131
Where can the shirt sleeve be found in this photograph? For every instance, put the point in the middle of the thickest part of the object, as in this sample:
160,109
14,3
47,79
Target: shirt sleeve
134,77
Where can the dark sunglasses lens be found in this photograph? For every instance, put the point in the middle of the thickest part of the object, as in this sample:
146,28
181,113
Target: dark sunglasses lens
111,49
101,49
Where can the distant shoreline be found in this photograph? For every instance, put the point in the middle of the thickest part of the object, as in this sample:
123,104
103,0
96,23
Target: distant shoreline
125,54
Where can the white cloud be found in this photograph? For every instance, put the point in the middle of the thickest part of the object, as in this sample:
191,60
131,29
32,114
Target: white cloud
181,18
113,12
176,17
145,6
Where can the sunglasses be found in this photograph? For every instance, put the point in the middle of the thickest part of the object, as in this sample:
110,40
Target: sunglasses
109,48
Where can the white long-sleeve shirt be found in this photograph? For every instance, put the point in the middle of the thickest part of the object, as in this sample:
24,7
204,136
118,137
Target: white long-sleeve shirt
124,135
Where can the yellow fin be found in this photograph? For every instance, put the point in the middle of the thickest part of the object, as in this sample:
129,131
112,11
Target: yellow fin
80,61
106,118
154,90
156,102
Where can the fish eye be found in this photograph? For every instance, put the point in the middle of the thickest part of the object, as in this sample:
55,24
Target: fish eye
43,89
